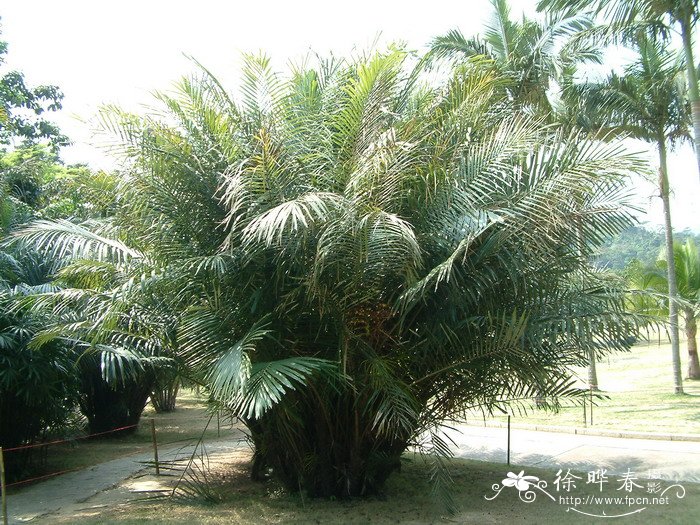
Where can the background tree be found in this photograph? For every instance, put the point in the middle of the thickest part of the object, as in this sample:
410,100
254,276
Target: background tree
22,109
687,266
637,243
37,388
535,58
648,103
653,278
626,19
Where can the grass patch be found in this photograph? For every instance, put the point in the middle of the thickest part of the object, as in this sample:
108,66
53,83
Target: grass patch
407,500
639,388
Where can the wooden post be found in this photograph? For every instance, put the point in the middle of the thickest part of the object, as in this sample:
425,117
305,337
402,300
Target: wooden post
508,456
3,488
591,407
585,418
155,445
218,425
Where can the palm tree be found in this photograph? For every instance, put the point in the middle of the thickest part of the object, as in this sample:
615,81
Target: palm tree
687,265
654,279
687,262
354,257
625,18
647,103
36,387
535,58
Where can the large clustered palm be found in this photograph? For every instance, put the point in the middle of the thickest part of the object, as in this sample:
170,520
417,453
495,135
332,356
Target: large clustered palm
349,257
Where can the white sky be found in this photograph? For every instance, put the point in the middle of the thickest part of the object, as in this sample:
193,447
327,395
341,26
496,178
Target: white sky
99,52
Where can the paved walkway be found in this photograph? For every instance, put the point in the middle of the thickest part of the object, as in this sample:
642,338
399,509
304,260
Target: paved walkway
75,488
673,460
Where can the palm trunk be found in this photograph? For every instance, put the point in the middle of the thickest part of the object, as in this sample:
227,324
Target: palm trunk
671,268
691,330
592,371
693,94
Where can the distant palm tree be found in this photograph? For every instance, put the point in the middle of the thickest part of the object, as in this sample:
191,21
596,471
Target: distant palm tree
625,19
534,58
655,279
648,103
687,264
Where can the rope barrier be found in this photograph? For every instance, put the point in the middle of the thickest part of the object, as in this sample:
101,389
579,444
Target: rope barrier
47,443
43,477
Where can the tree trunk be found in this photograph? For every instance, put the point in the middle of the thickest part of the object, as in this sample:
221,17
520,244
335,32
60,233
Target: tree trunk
592,372
109,407
691,330
671,268
693,93
164,394
325,444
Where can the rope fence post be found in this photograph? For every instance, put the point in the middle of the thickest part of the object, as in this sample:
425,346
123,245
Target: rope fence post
591,406
155,445
508,454
585,418
3,488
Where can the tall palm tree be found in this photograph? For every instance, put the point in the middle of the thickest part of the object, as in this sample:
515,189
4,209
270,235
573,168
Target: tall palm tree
535,58
647,103
356,257
626,18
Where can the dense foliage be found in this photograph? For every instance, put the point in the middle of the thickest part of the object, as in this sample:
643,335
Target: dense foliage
349,257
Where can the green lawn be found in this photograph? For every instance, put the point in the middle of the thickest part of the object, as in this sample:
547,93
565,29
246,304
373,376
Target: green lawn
639,388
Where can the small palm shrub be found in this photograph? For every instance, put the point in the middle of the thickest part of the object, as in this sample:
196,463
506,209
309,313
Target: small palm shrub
37,385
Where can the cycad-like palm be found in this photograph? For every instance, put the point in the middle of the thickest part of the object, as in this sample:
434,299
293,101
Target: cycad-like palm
355,258
647,103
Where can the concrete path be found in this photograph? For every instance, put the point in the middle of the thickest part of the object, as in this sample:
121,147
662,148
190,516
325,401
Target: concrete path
672,460
74,488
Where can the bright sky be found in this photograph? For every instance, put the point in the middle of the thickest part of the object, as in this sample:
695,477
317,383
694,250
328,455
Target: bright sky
118,52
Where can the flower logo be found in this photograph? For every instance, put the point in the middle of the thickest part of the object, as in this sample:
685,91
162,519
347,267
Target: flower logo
524,484
520,481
